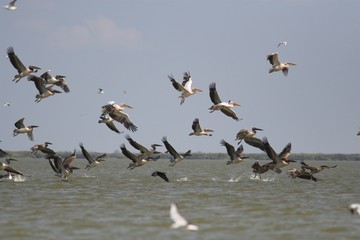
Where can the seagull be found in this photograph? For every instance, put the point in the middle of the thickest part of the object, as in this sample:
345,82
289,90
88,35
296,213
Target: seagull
19,66
184,87
136,160
282,43
115,111
58,80
44,91
145,152
176,156
277,65
21,128
197,131
6,104
180,221
109,123
160,174
11,6
235,156
354,208
92,162
224,107
278,161
314,170
100,91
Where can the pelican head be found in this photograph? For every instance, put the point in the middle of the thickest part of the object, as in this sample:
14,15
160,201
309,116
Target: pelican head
257,129
233,104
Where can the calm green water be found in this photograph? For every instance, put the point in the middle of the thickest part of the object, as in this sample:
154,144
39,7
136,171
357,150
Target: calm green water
112,202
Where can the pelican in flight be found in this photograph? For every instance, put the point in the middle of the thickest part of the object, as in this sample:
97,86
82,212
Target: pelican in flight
21,128
161,175
42,148
115,111
296,173
176,156
62,168
109,123
224,107
314,170
92,162
11,6
184,87
282,43
145,152
136,161
278,161
245,133
259,169
235,156
58,80
44,91
179,220
19,66
6,167
197,131
277,65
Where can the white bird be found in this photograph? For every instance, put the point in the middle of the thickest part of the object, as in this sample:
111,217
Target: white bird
354,208
11,6
44,91
92,162
176,156
100,91
282,43
185,87
58,80
21,128
6,104
277,65
179,220
115,111
198,131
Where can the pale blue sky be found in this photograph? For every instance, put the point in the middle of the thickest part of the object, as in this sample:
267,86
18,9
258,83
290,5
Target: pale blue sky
133,45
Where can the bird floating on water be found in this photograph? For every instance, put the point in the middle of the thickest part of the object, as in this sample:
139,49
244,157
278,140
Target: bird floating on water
184,87
277,65
224,107
179,220
21,128
354,208
197,131
19,66
11,6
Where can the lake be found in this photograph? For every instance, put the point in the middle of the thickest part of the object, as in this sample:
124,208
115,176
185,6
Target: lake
225,201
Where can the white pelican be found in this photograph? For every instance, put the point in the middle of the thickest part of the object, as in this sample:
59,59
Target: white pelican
19,66
296,173
185,88
145,152
245,133
136,161
43,148
354,208
176,156
224,107
58,80
44,91
21,128
7,168
109,123
179,220
278,161
314,170
92,162
61,167
282,43
277,65
197,131
235,156
115,111
11,6
161,175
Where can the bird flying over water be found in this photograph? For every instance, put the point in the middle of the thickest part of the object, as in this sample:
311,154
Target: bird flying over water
19,66
278,160
296,173
109,123
21,128
137,161
145,152
179,220
11,6
245,133
6,167
315,169
235,156
224,107
161,175
176,156
273,58
197,131
92,162
115,111
184,87
58,80
354,208
44,91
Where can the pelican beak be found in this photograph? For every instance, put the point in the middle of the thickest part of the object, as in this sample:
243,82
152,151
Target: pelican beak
236,104
258,129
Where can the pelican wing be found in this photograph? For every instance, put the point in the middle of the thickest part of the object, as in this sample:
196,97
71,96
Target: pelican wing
273,59
68,160
270,151
2,153
53,167
86,154
136,145
160,174
196,125
170,149
39,83
285,152
178,219
229,112
62,84
15,61
124,119
20,123
187,82
213,94
12,170
128,154
229,148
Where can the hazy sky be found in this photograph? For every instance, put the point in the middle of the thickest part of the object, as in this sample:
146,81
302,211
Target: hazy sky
128,48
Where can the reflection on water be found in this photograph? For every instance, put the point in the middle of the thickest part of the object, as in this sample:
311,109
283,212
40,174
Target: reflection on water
112,202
